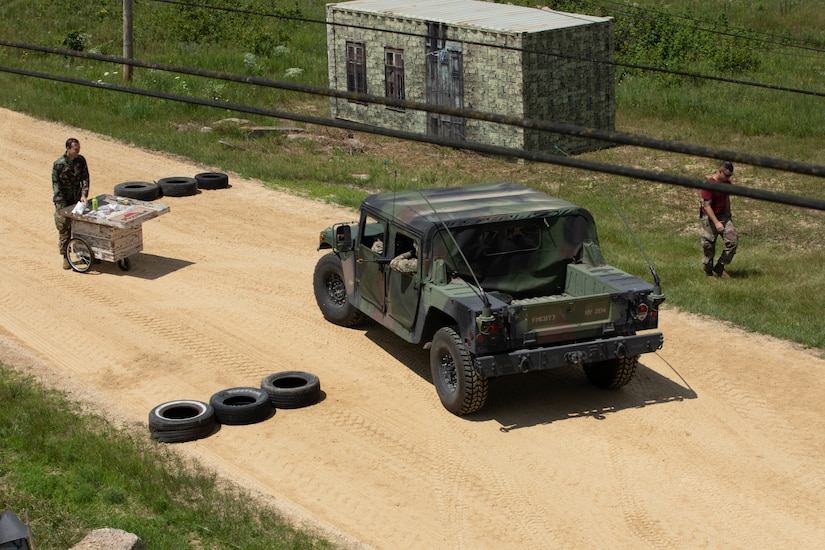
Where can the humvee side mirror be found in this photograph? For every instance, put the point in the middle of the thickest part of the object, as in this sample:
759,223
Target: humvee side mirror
343,238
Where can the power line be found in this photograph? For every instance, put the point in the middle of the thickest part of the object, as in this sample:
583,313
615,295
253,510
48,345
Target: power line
635,173
530,123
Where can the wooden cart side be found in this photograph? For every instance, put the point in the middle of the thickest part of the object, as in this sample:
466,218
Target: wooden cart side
110,244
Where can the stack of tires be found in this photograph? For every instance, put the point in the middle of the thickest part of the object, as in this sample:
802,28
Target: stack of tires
187,420
174,186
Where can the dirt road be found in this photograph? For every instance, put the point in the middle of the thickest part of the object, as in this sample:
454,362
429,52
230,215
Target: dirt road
718,442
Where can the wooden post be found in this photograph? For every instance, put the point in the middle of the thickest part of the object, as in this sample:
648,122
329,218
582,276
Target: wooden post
127,39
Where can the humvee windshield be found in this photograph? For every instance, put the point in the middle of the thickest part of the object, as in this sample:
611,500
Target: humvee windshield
526,257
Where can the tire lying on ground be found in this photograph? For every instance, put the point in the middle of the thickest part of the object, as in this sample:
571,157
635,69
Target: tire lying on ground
140,190
178,186
241,405
212,180
182,420
292,389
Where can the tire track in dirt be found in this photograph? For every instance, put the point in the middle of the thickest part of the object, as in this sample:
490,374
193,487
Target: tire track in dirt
749,424
638,519
34,275
756,421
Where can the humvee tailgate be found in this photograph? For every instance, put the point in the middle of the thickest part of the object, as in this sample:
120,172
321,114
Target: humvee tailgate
563,317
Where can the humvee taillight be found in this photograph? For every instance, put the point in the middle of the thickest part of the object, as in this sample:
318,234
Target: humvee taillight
492,331
641,312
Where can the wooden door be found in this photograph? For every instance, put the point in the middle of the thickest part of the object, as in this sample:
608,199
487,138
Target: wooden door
445,82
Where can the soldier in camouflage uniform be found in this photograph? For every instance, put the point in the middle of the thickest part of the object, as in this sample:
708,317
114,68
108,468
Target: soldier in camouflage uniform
406,262
70,184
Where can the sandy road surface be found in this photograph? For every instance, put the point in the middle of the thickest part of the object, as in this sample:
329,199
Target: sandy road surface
719,441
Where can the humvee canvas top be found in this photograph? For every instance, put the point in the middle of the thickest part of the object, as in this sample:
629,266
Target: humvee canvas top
429,209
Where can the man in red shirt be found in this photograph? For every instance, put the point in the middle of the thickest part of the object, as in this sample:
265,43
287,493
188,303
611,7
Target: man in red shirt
716,221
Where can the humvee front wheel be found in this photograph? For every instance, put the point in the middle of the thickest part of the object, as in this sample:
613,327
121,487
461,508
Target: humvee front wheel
331,293
461,389
613,373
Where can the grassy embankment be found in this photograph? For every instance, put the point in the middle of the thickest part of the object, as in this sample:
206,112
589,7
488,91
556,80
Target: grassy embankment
777,273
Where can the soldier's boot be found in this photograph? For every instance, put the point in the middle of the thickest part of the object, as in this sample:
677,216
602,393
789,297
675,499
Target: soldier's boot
720,270
66,263
708,269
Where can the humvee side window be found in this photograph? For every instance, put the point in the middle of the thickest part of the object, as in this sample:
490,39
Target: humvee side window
569,233
373,235
406,255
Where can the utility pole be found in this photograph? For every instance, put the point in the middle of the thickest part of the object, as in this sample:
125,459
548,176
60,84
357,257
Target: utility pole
127,39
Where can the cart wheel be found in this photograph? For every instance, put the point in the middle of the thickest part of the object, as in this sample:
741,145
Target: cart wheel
124,264
79,254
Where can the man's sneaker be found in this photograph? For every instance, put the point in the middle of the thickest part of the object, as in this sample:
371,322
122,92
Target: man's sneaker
66,263
720,270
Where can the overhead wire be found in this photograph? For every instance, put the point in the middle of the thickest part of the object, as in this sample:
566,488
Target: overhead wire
608,136
537,156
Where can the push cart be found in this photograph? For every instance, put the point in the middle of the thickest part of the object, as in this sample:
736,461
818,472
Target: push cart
111,233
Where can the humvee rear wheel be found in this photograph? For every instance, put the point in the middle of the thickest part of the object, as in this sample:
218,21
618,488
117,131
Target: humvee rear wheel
613,373
331,293
461,389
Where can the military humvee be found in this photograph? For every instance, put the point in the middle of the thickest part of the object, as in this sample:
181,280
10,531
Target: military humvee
505,280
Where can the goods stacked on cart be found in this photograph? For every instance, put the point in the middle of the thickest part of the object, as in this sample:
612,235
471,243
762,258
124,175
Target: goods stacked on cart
100,208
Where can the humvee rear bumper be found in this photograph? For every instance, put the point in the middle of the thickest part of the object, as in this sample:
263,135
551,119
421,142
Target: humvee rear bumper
545,358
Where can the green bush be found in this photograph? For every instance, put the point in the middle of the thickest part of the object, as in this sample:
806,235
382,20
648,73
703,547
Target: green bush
256,26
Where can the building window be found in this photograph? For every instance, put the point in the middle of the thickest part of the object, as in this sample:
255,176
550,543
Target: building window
394,74
356,68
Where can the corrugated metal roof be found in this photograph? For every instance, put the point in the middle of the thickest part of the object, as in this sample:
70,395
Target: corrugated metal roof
470,13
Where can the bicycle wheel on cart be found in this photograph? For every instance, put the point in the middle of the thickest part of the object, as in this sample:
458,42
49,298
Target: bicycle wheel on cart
124,264
79,254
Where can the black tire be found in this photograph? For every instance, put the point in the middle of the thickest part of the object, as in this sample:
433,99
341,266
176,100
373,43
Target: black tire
140,190
460,387
212,180
331,292
292,389
182,420
79,255
124,264
184,435
241,405
178,186
613,373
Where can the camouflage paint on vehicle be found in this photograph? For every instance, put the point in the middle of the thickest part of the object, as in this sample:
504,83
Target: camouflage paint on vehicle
517,274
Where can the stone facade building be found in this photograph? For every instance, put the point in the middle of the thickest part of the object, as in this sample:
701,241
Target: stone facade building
482,56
